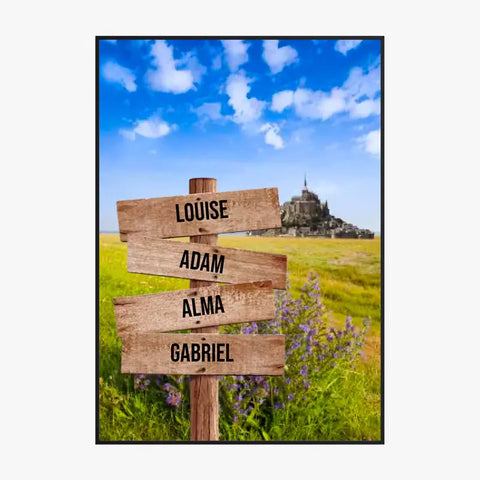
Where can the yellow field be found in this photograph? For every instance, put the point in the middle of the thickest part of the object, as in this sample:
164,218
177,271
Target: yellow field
350,285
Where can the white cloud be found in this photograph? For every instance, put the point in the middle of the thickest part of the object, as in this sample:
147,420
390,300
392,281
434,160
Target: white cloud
217,63
235,53
278,58
371,142
166,77
316,104
190,60
272,135
355,97
246,109
113,72
211,111
359,84
365,109
282,100
153,127
310,104
344,46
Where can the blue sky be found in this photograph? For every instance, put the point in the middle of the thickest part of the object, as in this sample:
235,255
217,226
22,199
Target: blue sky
251,113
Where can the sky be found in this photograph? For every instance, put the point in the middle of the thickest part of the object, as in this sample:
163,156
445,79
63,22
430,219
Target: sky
251,113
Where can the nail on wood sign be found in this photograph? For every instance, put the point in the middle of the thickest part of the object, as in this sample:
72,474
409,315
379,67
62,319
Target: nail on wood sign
142,320
194,308
204,262
203,354
200,214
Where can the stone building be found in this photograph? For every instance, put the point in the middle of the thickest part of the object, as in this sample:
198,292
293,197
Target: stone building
305,210
306,215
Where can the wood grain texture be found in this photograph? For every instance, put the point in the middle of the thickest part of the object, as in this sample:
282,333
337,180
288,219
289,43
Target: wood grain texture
164,312
157,217
203,388
252,354
164,257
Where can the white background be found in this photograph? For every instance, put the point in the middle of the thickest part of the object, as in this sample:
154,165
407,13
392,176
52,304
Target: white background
47,350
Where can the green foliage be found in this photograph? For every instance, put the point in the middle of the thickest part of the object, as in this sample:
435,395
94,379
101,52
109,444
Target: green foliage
341,403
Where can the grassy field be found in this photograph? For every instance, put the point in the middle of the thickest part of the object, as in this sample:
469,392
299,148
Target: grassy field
346,406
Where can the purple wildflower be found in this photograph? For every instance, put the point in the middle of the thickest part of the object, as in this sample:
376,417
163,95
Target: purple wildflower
174,399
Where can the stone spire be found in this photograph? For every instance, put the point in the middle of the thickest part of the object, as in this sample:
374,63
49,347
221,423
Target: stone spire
305,182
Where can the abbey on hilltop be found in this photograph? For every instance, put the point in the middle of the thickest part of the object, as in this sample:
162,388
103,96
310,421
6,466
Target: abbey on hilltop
307,215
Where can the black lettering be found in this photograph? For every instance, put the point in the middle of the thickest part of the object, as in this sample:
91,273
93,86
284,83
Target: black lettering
198,215
188,212
186,308
220,352
223,208
185,353
213,205
195,313
218,304
217,267
205,352
184,260
228,353
178,214
174,352
205,263
195,261
207,305
195,352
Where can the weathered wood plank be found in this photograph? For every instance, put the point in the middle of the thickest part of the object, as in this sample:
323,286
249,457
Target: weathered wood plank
164,353
194,308
168,217
204,262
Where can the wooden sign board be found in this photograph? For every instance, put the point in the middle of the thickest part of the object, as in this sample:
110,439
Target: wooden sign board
200,214
194,308
204,262
203,354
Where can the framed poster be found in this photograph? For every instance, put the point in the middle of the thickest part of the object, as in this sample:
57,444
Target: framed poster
299,121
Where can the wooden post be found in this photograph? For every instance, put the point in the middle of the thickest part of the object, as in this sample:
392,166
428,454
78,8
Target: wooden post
203,389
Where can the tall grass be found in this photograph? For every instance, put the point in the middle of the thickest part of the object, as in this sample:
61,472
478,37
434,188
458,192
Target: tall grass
341,402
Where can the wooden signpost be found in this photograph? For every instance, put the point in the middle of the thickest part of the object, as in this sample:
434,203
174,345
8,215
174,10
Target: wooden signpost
200,213
194,308
204,354
204,262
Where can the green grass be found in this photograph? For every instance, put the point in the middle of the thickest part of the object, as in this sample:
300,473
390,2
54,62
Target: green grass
349,409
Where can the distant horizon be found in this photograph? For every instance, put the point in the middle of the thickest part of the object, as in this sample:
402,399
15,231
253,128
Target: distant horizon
377,234
251,113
